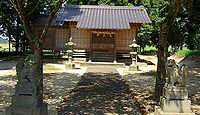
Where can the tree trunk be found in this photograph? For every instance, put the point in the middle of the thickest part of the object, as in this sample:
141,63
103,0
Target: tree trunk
35,43
9,40
163,47
36,46
17,37
162,57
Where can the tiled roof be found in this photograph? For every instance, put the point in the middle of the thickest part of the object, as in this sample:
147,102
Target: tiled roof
42,19
102,17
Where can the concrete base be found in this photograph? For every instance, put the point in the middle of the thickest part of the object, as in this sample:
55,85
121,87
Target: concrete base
176,106
27,101
13,110
158,111
175,93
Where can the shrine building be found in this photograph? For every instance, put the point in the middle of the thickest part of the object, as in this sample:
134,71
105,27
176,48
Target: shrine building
102,32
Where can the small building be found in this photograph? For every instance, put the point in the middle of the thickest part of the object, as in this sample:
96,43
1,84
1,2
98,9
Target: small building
104,32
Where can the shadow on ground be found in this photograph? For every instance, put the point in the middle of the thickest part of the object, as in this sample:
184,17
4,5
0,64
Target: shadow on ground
98,93
7,65
193,63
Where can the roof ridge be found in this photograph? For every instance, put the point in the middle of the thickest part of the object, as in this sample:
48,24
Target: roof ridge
103,7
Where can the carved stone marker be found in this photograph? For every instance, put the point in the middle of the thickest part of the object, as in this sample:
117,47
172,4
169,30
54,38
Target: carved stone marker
175,95
70,50
28,97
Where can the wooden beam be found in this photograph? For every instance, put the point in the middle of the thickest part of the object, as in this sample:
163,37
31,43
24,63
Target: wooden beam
90,53
115,56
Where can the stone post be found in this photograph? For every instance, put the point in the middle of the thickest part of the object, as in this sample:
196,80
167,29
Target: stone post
175,95
28,97
70,51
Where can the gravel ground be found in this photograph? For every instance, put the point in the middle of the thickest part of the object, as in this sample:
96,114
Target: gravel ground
98,94
56,85
7,85
59,83
142,86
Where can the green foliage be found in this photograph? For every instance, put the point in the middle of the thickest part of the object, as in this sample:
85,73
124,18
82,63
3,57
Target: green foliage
150,48
149,33
145,35
4,45
193,9
186,52
11,24
193,38
184,30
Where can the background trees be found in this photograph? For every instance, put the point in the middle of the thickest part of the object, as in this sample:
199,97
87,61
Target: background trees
24,9
11,24
184,30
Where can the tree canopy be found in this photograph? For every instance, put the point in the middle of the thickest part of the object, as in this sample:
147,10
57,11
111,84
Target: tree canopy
185,28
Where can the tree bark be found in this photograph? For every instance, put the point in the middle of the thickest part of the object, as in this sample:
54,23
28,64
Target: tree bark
163,47
17,37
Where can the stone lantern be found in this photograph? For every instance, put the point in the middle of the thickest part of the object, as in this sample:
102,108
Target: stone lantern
70,50
134,50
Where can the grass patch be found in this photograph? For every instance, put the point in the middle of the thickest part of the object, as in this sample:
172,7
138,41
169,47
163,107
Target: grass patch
150,50
4,45
186,52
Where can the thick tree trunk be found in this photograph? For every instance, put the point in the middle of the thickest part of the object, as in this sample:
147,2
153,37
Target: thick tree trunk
17,37
23,46
35,43
163,47
162,57
36,46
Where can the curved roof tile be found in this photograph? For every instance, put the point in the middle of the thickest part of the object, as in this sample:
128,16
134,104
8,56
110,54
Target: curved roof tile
101,17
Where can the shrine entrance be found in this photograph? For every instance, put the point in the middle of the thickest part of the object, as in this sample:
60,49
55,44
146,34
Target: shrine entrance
102,47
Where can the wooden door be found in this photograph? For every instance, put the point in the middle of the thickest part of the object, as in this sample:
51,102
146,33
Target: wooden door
102,47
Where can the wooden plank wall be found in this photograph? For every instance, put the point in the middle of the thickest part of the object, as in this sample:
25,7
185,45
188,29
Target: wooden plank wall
49,39
81,37
124,38
58,36
61,38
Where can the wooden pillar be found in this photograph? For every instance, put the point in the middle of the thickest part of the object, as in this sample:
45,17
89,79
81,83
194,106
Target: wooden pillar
115,55
90,50
54,43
